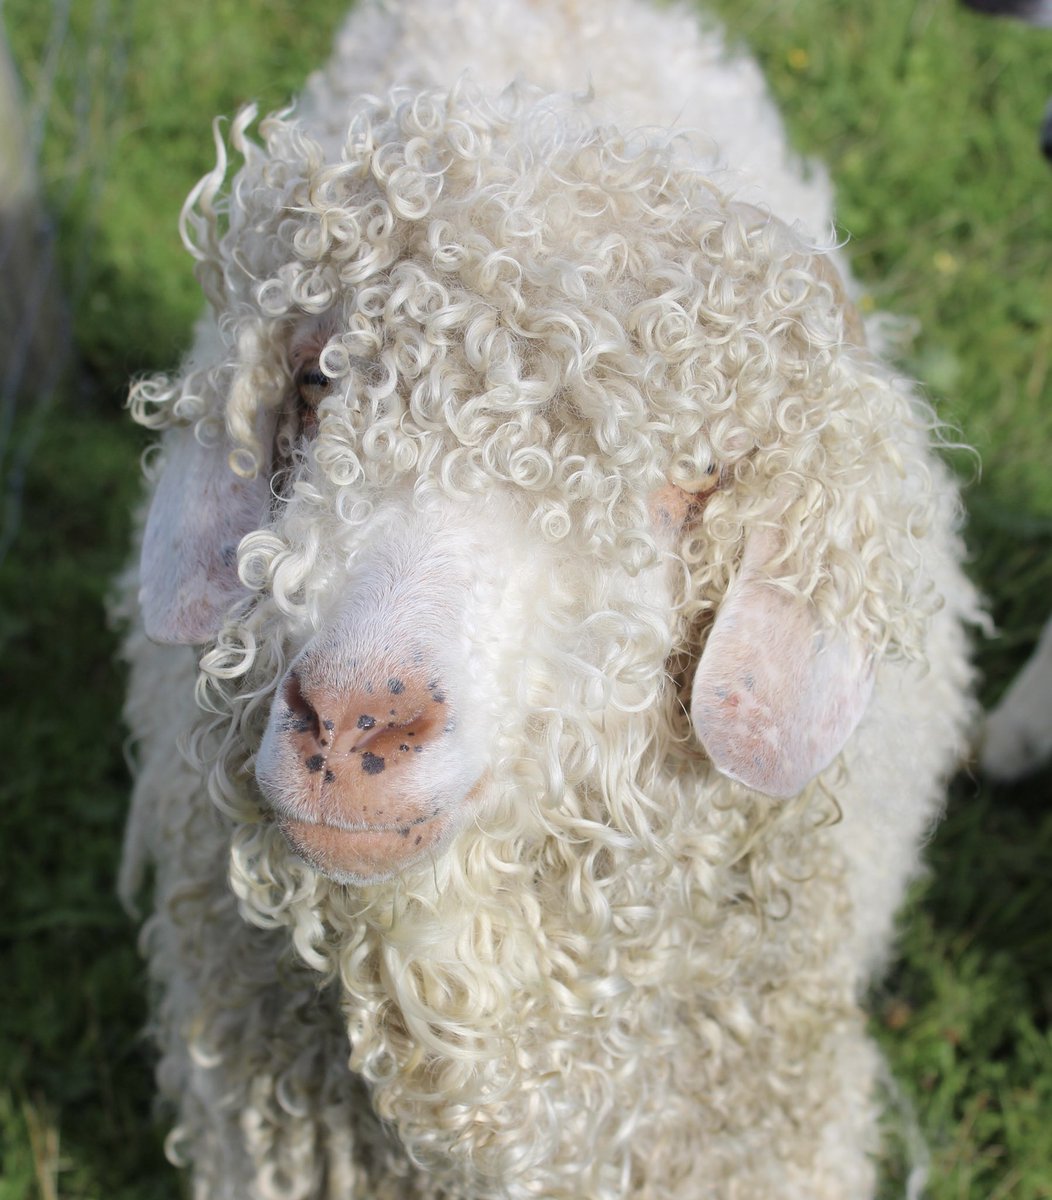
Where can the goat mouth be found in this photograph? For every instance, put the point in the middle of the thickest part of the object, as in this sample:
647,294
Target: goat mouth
363,853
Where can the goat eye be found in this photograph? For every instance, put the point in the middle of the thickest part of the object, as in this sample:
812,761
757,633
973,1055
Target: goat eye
312,385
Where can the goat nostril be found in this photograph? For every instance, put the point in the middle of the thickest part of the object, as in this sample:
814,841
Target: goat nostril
302,715
335,733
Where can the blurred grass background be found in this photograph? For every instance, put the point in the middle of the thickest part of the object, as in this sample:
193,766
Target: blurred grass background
927,117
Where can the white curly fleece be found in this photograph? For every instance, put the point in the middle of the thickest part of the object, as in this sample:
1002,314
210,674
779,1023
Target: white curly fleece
512,393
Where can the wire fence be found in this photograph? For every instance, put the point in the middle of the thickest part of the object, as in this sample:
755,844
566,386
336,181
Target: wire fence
58,107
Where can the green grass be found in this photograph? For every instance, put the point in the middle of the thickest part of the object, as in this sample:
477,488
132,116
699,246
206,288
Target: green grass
927,118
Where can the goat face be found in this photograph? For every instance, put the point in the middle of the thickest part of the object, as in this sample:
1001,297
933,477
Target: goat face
436,641
437,648
466,468
384,725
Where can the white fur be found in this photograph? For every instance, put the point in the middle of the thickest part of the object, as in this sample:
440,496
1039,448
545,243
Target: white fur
527,369
1017,738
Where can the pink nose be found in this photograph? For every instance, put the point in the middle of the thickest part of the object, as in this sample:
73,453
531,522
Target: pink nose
355,772
359,743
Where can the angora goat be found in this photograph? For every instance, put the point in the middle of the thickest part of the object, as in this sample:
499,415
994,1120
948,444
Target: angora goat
583,634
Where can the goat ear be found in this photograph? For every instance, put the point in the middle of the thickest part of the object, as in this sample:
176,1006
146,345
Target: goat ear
199,513
775,697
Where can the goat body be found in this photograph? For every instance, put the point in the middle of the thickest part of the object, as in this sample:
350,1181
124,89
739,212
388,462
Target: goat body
583,635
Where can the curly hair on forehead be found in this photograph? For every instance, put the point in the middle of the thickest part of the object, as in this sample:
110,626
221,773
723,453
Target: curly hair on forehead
481,336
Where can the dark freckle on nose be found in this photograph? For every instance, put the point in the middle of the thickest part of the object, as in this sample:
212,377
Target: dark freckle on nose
372,764
395,686
438,697
366,722
329,725
298,723
330,777
419,839
417,749
403,746
404,831
391,712
315,763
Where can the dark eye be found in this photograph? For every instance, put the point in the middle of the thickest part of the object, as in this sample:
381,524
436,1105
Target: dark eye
312,385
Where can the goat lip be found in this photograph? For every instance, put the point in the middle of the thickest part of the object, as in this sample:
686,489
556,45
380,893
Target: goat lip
355,827
363,853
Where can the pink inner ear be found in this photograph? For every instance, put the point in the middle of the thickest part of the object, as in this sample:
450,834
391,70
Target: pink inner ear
199,513
775,697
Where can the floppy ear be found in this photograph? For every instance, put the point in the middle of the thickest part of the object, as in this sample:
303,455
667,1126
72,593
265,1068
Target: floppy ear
775,696
199,513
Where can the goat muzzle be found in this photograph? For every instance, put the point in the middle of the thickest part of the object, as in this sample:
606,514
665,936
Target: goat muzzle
364,777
